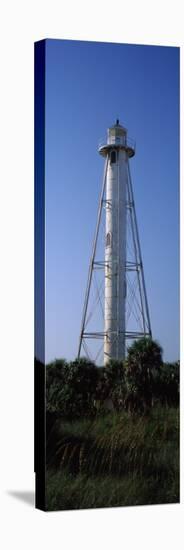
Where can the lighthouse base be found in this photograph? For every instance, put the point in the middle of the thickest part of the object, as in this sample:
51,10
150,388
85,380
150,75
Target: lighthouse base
114,347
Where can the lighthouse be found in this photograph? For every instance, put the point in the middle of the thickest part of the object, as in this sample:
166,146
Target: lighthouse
121,294
117,151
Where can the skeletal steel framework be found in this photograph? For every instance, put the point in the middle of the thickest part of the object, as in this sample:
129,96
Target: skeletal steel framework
136,303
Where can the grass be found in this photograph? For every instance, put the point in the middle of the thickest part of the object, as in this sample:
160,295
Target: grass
114,460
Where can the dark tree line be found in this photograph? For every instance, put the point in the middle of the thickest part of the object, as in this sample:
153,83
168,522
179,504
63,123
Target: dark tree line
79,388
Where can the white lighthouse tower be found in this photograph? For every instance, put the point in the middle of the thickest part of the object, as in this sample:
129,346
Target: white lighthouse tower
117,290
117,152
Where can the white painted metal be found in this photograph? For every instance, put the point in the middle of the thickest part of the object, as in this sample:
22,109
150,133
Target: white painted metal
117,196
115,249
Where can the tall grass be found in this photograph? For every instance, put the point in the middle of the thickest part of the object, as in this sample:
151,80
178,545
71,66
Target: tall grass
114,460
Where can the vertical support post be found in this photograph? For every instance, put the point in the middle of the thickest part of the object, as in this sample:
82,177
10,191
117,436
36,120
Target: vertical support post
132,207
139,251
92,258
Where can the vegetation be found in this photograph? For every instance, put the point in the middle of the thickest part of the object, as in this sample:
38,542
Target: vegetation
79,388
114,460
71,387
127,456
143,368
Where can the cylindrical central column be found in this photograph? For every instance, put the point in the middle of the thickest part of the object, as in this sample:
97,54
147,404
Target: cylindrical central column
115,254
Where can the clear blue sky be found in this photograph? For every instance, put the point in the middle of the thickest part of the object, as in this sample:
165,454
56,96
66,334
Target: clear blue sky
88,85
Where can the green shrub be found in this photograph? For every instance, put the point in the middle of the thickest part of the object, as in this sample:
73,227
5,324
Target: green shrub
71,388
143,367
111,383
166,388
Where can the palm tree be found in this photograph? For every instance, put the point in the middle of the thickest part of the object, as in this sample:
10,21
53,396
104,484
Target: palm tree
143,365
